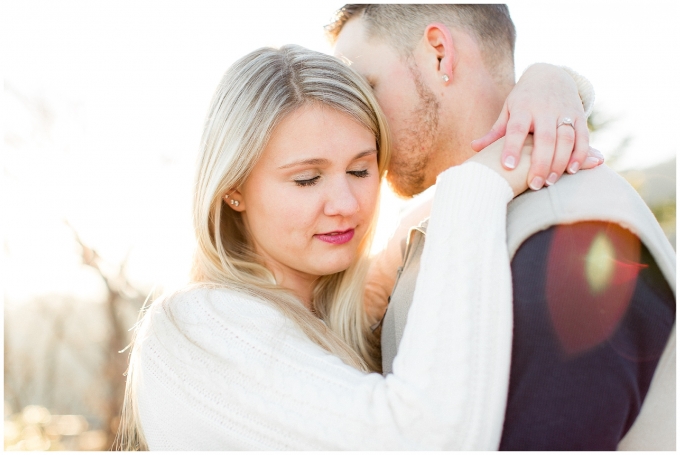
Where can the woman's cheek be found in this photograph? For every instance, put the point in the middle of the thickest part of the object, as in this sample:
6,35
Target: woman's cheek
282,210
370,193
301,210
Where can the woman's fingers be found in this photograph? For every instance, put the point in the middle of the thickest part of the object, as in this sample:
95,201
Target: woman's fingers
516,132
570,150
593,159
581,145
563,152
542,155
496,132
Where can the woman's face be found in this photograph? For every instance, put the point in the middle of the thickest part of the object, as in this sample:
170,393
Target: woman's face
310,198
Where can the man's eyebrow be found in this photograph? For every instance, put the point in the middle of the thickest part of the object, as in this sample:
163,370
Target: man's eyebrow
324,161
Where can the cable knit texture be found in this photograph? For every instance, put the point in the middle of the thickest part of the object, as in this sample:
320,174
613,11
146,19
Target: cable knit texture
217,369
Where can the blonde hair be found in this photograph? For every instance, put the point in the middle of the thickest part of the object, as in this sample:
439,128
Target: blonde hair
255,94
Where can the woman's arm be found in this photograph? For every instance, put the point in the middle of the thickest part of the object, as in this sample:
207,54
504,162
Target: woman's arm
220,370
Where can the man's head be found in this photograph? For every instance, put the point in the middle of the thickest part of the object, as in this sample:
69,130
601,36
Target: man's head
440,73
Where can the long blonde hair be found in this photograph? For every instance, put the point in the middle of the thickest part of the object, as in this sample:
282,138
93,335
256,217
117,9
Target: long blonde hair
254,95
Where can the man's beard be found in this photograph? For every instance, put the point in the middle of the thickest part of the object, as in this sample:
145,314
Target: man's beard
411,154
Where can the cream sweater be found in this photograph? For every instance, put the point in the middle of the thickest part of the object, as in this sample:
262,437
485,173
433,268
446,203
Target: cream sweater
216,369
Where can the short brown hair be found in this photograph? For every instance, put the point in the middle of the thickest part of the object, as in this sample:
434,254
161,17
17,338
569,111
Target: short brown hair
403,25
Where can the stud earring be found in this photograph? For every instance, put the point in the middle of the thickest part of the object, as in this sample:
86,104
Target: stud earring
233,202
445,77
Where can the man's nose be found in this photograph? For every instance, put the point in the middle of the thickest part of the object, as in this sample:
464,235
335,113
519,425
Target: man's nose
340,199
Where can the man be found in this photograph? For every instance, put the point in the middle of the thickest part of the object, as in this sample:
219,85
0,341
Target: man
593,275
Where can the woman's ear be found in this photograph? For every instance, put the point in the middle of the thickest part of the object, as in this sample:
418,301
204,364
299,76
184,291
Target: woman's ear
234,199
438,41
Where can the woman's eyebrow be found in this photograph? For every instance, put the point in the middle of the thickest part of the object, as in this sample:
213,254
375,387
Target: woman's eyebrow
309,162
323,161
365,153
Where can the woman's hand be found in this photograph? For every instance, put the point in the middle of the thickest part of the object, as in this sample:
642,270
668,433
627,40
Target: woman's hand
517,178
545,102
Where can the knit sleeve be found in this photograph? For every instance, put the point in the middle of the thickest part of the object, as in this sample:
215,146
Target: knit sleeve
216,369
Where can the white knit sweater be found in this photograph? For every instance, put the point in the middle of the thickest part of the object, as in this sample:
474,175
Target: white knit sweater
219,370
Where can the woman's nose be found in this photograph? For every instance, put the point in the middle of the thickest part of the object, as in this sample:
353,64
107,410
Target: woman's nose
340,199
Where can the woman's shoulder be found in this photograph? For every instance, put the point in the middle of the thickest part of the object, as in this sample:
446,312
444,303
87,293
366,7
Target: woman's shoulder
202,330
196,301
200,313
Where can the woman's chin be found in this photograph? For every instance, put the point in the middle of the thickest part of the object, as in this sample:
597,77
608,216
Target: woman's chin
334,265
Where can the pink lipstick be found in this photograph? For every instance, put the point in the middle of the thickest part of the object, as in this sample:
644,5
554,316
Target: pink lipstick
336,237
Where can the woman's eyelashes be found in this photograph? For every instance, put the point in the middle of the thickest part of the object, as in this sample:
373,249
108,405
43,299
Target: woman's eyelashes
307,182
363,173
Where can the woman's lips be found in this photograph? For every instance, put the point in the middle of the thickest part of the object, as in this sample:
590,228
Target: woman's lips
336,237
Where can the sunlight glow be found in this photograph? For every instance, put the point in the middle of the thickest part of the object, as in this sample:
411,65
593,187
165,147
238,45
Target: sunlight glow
600,264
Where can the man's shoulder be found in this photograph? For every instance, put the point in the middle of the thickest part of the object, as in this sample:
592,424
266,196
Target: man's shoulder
595,193
598,194
601,183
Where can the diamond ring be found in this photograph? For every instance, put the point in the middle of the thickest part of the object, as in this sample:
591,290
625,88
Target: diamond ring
567,121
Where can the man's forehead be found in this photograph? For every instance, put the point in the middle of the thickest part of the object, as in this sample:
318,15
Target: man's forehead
351,39
356,47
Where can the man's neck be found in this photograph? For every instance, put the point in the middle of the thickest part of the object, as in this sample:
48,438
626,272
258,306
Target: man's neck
465,118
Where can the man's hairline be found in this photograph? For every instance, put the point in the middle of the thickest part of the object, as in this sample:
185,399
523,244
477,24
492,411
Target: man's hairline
404,54
373,37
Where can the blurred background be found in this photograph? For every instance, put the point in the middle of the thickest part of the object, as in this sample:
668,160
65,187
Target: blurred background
103,105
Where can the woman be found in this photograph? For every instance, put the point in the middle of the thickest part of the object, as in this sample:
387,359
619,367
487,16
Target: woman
271,348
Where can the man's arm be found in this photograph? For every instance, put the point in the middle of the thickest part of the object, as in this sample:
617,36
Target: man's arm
592,314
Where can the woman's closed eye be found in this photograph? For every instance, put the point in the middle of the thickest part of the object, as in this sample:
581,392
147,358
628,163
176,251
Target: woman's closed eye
361,174
307,182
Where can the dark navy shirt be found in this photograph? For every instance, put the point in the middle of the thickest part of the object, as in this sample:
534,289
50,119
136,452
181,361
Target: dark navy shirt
592,314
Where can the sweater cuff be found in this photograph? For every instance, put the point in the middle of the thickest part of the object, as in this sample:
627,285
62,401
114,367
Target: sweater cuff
475,177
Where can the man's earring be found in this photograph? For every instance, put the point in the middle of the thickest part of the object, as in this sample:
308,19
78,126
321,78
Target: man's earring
445,77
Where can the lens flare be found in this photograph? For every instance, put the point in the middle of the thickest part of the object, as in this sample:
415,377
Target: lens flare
600,264
591,277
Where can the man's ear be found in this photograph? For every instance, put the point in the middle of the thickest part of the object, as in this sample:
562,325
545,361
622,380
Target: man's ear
438,41
235,200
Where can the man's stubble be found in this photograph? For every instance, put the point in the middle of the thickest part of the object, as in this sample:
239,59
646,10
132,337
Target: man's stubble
414,143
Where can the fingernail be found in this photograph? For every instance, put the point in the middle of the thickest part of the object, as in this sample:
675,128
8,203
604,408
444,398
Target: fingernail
536,183
574,167
509,162
552,178
591,161
597,153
